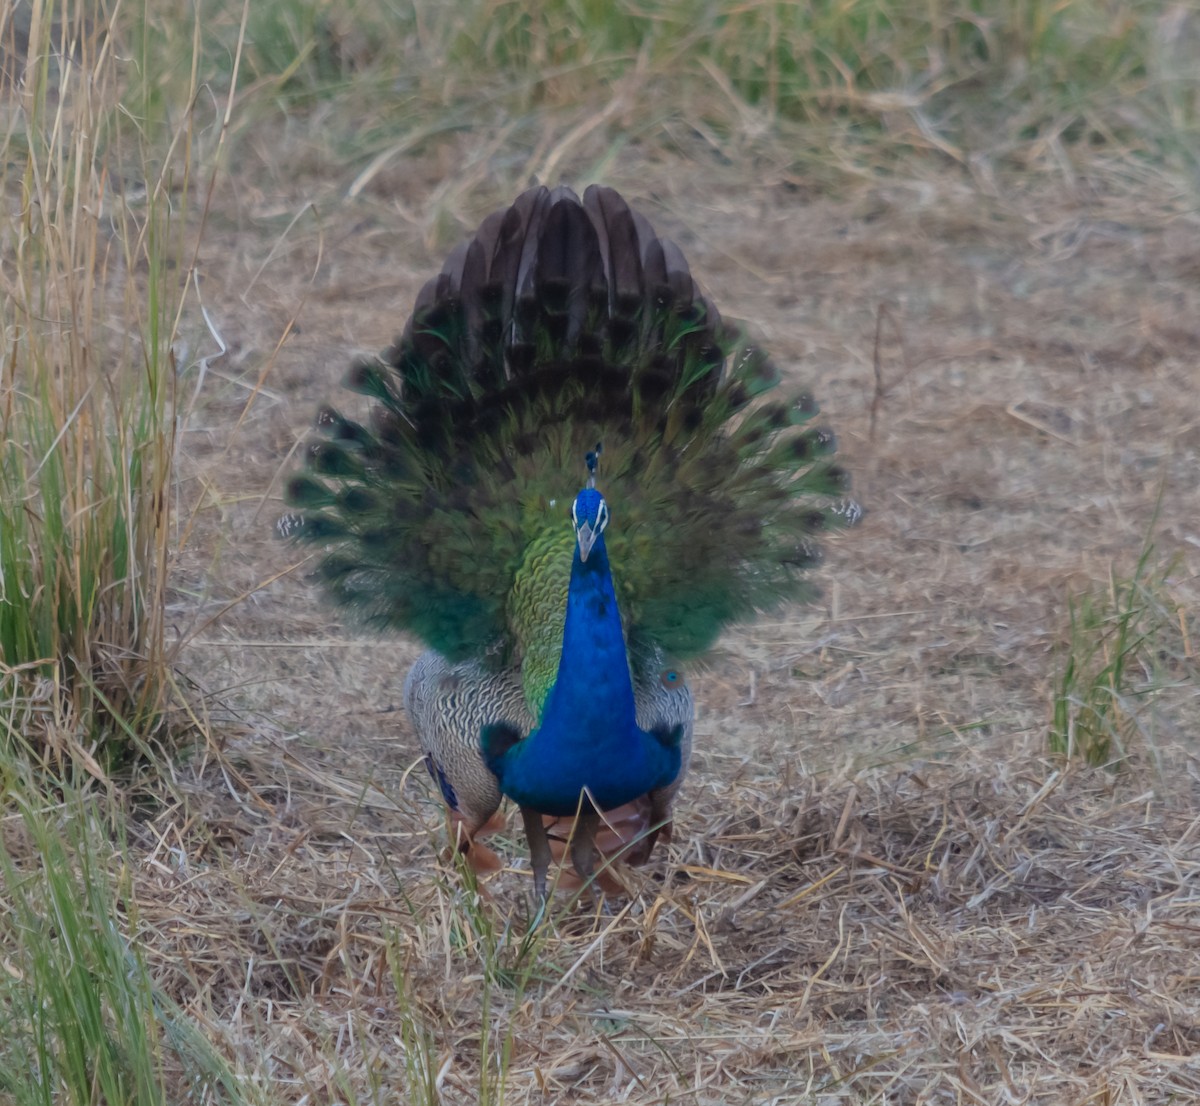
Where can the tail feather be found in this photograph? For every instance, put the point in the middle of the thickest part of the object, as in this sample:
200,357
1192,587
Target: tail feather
562,323
622,253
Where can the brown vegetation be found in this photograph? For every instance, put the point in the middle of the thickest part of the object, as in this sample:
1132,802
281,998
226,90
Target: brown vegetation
881,889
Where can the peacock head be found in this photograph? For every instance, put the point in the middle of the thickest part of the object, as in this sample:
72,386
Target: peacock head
589,514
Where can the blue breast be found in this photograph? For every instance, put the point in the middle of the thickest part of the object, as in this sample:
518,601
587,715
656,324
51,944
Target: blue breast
549,770
589,738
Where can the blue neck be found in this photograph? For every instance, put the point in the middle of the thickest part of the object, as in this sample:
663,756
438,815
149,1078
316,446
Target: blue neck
593,670
588,737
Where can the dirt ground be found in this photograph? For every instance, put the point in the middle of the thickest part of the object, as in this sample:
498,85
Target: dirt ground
882,888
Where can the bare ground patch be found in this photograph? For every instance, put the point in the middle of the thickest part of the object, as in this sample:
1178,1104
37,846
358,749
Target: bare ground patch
880,888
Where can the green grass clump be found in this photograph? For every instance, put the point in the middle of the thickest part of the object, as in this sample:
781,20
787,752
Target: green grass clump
82,1022
90,296
509,955
95,178
1127,650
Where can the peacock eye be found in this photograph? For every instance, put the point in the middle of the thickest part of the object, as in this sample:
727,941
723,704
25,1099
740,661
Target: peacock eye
670,678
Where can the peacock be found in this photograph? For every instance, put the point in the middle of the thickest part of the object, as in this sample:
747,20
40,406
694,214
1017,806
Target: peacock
574,474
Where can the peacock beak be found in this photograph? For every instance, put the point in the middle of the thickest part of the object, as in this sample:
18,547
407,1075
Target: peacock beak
587,538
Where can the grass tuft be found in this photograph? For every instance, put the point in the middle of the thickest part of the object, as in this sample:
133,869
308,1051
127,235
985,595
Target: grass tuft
81,1019
1127,648
91,296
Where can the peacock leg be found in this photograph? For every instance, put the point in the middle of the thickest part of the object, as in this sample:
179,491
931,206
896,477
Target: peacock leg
583,843
660,818
539,849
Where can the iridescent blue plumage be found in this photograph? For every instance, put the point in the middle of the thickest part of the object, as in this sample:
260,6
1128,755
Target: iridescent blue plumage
589,741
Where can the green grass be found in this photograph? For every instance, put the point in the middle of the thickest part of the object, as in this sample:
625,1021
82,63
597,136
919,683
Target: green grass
509,957
856,83
1127,650
97,240
90,302
82,1021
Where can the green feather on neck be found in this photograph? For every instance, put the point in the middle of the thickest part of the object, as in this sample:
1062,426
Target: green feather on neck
537,609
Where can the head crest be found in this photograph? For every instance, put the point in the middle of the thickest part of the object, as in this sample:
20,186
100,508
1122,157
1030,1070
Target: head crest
593,459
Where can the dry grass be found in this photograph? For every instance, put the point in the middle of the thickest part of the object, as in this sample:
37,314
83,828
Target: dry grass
945,933
882,889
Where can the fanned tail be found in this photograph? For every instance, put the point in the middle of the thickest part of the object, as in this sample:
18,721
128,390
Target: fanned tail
562,323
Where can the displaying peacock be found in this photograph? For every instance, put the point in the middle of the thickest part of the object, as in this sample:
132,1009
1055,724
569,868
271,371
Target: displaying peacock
573,476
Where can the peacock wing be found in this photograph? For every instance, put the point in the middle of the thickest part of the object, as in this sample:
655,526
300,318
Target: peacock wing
449,704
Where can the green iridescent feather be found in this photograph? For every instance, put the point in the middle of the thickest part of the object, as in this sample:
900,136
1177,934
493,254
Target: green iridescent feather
562,324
